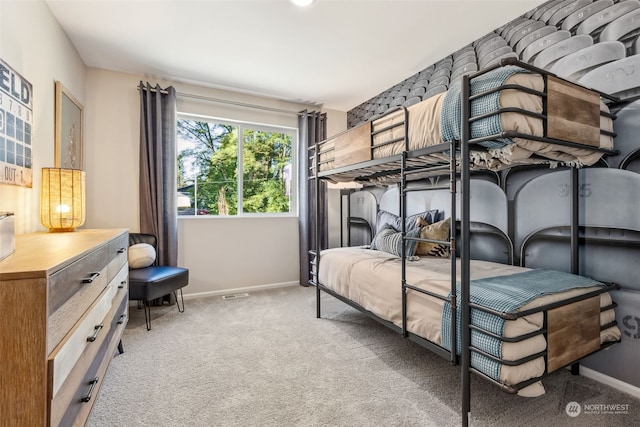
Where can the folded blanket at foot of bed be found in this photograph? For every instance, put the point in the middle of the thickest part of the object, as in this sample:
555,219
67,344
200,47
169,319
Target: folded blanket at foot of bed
509,294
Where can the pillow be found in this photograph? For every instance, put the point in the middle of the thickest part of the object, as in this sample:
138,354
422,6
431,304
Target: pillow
412,222
437,231
421,222
141,255
389,240
384,218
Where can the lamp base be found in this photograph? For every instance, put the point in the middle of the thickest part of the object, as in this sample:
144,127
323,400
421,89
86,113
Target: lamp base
61,230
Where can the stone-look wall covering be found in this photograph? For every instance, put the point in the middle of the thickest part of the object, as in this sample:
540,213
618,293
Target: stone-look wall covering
594,43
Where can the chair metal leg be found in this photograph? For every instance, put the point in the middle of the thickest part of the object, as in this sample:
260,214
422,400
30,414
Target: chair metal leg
175,294
146,305
147,314
120,347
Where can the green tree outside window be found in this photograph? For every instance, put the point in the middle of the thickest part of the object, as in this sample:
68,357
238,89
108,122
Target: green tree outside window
209,165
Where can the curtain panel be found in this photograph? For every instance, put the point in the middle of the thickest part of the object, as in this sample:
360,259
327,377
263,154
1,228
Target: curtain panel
312,128
157,185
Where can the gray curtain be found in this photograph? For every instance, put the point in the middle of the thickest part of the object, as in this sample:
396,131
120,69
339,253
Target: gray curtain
158,185
312,127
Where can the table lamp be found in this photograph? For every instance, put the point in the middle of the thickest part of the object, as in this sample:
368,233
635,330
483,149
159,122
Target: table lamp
62,199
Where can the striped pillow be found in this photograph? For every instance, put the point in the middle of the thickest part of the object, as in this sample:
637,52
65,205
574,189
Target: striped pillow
390,240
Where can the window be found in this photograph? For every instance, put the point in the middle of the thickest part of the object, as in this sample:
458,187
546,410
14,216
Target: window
231,168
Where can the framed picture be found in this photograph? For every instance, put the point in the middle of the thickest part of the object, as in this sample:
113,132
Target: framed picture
68,131
16,123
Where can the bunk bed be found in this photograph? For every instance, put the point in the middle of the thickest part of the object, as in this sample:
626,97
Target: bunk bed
514,119
513,114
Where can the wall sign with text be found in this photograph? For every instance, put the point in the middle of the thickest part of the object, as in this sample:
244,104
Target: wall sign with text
16,124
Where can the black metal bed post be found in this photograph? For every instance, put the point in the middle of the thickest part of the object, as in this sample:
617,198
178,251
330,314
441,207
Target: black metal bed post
316,160
465,252
403,227
453,169
403,214
574,226
575,219
341,215
348,219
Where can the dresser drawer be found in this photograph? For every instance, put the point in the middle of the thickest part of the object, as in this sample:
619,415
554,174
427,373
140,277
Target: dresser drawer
64,319
84,335
76,397
65,283
69,379
117,252
86,283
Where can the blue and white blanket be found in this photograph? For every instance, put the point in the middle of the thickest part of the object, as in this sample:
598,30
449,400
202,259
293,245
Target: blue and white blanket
504,294
450,116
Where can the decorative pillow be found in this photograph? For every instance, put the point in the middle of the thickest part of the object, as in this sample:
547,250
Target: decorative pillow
437,231
384,218
412,222
141,255
421,222
389,240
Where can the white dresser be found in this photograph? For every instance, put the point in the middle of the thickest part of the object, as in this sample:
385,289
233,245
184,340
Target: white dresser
63,308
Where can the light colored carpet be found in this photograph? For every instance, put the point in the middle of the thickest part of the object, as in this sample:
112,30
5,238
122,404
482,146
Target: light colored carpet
265,360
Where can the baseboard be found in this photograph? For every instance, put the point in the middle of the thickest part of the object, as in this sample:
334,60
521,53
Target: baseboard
240,290
610,381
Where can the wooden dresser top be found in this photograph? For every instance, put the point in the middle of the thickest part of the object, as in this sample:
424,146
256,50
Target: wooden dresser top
41,254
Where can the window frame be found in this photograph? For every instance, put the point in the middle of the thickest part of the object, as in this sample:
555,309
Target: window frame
243,125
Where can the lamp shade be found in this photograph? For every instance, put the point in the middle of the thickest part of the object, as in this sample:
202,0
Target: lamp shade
62,199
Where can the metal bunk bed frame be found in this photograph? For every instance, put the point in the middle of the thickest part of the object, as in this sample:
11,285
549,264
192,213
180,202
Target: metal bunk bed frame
461,169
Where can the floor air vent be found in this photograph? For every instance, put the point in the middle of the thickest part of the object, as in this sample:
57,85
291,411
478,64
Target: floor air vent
234,296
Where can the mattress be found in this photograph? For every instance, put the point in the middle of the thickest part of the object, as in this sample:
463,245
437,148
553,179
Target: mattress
372,280
428,119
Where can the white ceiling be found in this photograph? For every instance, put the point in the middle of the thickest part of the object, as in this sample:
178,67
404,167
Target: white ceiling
337,53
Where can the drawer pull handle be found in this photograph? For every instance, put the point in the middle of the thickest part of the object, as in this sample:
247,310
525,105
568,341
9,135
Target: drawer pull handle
87,397
122,250
121,285
93,337
121,320
91,278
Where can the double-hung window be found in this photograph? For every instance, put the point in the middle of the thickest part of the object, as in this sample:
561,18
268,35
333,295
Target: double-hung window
235,168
